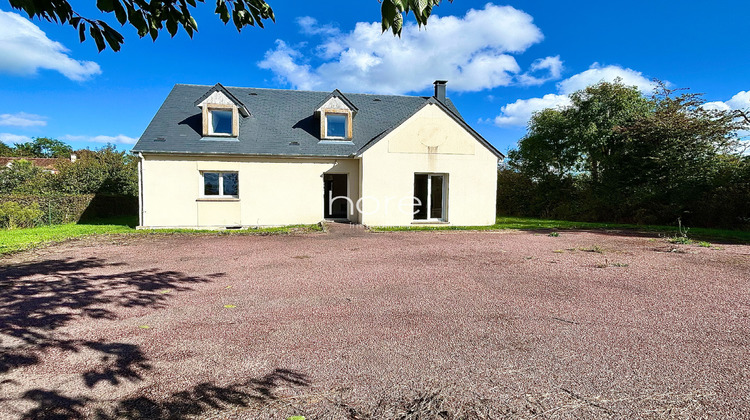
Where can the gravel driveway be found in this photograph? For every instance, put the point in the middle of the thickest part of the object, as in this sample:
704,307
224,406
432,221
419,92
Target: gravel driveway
349,324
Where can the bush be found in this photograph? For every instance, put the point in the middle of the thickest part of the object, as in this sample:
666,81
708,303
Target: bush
13,215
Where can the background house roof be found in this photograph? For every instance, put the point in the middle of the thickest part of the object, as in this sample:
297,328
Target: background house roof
281,123
45,163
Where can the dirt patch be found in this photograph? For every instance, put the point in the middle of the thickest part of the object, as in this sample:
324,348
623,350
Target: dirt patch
389,325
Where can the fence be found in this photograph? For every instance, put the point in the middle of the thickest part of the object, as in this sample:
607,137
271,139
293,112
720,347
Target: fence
59,209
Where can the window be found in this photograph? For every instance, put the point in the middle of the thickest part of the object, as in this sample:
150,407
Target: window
429,190
221,184
336,125
221,122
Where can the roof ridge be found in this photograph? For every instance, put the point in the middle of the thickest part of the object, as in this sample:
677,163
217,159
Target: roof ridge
309,91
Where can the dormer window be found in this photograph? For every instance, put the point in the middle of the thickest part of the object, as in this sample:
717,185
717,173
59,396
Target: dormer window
336,125
221,122
221,112
336,113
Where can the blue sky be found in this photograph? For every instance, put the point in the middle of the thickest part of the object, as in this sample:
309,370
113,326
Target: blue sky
502,61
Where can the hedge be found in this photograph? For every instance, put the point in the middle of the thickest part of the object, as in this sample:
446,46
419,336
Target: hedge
59,209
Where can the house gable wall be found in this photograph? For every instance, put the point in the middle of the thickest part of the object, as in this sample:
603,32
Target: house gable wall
428,142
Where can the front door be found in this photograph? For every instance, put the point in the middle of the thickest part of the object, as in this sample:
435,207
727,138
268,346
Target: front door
335,196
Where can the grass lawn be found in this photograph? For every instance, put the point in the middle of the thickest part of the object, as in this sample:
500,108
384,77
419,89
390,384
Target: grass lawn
528,223
15,240
21,239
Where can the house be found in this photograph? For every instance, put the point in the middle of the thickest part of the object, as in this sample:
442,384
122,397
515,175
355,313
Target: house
216,156
46,164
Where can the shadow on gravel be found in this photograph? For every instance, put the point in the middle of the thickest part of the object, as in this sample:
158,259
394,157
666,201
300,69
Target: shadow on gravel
38,299
189,403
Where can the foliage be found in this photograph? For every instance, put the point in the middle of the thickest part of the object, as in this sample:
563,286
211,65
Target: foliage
150,17
105,171
617,155
55,209
40,147
392,12
23,177
13,215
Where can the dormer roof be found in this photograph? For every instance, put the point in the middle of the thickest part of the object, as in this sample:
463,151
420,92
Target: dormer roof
336,94
221,89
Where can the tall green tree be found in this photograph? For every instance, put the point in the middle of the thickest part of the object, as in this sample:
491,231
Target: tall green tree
615,154
150,17
42,147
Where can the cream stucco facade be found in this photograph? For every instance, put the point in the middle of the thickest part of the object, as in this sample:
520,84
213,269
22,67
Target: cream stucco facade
272,191
285,190
430,142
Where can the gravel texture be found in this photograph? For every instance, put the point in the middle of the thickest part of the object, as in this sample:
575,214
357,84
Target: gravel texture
349,324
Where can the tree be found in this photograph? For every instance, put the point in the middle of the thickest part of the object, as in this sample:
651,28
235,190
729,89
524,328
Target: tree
23,178
104,171
42,147
672,155
615,154
5,150
150,17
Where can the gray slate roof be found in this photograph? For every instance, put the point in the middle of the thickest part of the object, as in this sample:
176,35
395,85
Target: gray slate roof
281,123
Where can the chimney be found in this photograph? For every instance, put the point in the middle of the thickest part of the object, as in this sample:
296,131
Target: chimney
440,90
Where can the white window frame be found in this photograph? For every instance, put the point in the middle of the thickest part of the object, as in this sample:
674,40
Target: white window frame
429,198
221,184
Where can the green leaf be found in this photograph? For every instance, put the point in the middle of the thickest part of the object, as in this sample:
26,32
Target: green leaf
105,5
82,31
388,13
120,13
397,23
114,39
222,11
96,33
136,18
171,27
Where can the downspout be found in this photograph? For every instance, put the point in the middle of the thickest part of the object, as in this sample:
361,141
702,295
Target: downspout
140,189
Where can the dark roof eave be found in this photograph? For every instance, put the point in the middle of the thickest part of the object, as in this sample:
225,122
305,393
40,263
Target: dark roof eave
169,152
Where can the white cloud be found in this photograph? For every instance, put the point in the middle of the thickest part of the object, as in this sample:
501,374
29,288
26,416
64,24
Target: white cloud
118,139
309,26
552,65
22,119
9,138
716,106
24,49
597,73
472,52
282,62
739,101
519,112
